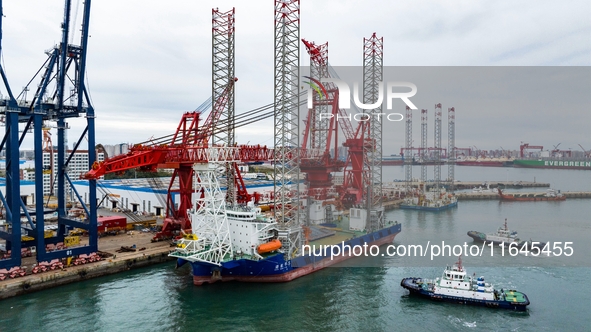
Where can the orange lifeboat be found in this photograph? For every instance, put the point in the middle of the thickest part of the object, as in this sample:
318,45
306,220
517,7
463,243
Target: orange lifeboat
269,246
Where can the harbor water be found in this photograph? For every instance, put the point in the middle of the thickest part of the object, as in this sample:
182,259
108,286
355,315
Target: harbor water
362,293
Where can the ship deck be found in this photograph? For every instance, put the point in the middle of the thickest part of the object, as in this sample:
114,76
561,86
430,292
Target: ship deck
514,296
341,233
321,236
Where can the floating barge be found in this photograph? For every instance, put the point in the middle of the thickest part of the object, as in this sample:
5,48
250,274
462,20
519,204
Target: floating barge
432,200
549,195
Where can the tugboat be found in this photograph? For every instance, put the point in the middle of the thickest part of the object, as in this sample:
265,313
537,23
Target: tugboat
456,287
507,237
503,235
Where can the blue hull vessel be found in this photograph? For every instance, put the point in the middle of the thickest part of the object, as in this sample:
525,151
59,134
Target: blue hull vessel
456,286
274,267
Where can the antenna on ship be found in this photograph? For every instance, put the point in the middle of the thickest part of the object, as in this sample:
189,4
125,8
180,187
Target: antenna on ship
460,263
506,228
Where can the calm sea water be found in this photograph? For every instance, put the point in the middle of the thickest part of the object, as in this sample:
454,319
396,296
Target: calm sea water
362,294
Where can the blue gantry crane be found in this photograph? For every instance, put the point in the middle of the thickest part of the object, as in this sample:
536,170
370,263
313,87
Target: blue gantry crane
60,94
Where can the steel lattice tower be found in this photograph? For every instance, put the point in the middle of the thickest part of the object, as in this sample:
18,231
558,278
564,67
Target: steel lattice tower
286,120
451,146
437,150
424,155
373,76
319,126
223,28
408,144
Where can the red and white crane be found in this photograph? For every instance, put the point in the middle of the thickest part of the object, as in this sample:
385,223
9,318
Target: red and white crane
525,146
189,146
357,170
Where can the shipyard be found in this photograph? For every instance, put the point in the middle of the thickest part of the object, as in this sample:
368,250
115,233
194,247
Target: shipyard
225,165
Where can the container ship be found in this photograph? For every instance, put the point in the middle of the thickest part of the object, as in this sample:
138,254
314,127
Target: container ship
487,162
553,163
249,246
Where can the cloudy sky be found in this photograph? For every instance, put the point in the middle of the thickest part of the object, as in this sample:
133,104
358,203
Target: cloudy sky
150,61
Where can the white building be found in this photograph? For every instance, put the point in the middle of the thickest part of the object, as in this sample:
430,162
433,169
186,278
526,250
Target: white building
77,166
146,195
117,149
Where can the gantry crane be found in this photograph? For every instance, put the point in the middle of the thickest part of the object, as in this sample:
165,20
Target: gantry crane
60,94
525,146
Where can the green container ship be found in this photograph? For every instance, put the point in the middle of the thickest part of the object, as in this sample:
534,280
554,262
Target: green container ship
553,163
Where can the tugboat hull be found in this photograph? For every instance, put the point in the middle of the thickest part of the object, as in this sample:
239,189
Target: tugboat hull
417,290
481,237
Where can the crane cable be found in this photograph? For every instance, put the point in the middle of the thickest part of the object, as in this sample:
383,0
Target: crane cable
245,118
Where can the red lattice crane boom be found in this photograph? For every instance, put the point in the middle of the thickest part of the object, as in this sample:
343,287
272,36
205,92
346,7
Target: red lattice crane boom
188,146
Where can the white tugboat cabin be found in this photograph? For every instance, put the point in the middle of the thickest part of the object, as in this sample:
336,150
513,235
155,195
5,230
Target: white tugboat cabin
455,282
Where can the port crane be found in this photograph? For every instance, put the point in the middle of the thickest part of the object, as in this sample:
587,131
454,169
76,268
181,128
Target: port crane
189,145
321,130
357,172
587,152
60,94
465,152
556,151
525,146
560,153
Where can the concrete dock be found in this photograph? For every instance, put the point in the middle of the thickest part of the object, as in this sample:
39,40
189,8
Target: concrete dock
468,196
153,253
459,185
491,195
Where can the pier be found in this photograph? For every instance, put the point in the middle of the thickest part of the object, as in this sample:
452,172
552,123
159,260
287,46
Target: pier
459,185
153,253
472,196
491,195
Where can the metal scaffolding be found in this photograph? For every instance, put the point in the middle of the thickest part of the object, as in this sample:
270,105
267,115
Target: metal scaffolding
451,146
437,150
286,122
424,157
319,125
408,144
373,75
223,28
